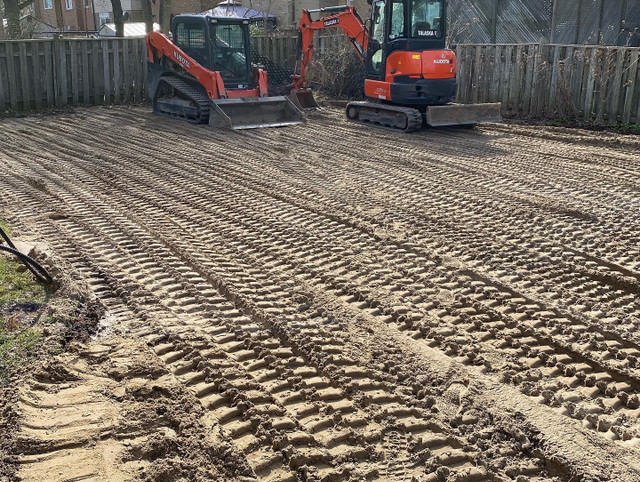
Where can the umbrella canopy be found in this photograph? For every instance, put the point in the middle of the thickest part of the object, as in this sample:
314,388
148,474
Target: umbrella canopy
231,8
133,29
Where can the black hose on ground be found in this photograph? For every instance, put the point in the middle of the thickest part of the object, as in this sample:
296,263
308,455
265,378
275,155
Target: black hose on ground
32,265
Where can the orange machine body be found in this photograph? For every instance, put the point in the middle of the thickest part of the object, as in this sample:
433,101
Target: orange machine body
159,46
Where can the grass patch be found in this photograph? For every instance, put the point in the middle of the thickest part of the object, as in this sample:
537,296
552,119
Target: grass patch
15,347
20,298
18,285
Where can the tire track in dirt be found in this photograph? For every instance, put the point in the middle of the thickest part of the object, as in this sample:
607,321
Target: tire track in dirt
441,446
278,253
593,379
378,396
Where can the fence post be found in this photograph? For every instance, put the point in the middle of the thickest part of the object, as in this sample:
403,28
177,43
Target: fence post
554,22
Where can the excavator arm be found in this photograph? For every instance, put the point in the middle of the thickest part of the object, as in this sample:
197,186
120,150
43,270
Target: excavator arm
344,17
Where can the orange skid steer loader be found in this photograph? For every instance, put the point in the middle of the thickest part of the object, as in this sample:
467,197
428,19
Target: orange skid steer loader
204,75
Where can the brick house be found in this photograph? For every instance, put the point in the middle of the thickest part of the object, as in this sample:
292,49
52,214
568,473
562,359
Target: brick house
65,15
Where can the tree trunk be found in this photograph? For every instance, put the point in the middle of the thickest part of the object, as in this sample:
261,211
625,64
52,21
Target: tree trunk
3,34
118,17
165,16
12,12
57,6
147,14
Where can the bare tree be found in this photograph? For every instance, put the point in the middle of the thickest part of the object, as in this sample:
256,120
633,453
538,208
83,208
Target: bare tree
118,17
2,32
57,8
12,9
165,15
147,15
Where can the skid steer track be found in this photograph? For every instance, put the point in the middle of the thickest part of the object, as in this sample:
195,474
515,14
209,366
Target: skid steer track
178,99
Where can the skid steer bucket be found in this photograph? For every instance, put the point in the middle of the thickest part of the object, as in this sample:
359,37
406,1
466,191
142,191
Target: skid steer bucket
254,113
463,114
304,99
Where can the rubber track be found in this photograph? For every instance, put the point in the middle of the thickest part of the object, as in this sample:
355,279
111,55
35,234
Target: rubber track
414,117
197,95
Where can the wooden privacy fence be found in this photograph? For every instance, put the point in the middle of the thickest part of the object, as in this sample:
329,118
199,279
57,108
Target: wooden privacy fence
596,84
36,74
284,50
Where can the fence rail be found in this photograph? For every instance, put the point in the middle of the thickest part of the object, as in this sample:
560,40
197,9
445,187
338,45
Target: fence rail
52,73
593,83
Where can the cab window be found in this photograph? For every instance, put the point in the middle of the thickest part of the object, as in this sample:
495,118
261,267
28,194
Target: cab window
191,35
397,29
377,36
426,19
229,52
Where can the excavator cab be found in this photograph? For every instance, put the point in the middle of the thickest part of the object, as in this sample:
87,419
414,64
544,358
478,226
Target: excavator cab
221,45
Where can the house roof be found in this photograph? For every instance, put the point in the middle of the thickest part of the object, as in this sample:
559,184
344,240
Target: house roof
231,8
131,29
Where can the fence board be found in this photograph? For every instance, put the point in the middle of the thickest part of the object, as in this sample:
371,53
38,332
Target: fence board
616,88
116,69
75,72
25,79
126,66
86,90
48,73
37,76
591,84
631,87
14,95
4,93
63,85
106,71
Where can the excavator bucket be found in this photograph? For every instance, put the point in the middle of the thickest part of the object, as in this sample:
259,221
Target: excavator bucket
254,113
304,99
463,114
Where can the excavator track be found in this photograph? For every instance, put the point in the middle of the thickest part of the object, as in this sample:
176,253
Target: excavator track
394,117
185,101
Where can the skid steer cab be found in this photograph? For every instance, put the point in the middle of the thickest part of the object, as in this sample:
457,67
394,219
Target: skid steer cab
204,74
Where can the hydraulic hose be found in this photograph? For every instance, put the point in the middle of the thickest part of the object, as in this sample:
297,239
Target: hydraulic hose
32,265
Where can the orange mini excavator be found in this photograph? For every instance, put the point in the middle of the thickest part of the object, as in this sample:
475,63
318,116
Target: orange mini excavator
204,74
411,77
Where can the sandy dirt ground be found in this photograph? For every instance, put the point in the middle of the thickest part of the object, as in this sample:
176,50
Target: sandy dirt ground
331,302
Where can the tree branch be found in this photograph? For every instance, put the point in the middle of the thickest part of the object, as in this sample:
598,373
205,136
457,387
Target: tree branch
25,4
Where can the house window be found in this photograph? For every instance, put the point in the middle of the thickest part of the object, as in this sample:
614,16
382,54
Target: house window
69,4
48,4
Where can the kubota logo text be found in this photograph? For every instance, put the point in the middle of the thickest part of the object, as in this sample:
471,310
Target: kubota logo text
185,63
